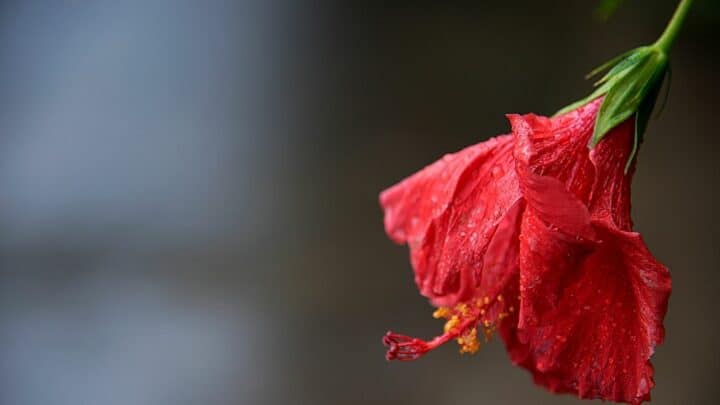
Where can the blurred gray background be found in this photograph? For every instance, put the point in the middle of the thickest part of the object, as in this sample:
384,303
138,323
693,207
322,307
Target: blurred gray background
188,191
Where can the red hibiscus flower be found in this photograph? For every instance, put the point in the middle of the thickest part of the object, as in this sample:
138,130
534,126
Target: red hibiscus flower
530,233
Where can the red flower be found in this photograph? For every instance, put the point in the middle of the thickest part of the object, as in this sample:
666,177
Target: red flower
531,233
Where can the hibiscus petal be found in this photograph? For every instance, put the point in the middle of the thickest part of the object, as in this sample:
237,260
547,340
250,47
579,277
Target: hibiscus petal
590,317
448,214
500,267
610,196
557,147
541,162
592,296
412,204
450,260
560,178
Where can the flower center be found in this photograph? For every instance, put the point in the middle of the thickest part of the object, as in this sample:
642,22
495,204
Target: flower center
465,319
462,324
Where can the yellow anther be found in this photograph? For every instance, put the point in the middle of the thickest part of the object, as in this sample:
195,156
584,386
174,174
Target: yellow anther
460,318
511,309
451,323
441,312
468,341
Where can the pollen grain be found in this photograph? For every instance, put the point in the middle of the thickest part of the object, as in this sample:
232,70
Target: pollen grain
465,321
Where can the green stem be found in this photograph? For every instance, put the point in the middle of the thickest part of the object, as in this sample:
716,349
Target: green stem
664,43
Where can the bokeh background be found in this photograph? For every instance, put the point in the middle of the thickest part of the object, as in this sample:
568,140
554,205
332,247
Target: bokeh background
188,191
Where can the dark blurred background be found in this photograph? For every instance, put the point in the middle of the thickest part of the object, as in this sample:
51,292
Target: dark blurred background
188,191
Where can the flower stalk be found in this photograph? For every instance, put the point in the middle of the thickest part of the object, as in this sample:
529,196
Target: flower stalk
666,40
